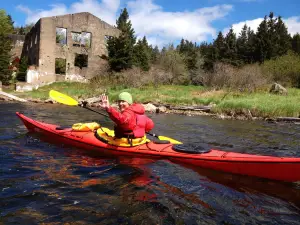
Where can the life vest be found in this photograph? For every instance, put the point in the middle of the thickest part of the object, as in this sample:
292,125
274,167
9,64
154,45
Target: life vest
108,136
139,130
85,126
143,124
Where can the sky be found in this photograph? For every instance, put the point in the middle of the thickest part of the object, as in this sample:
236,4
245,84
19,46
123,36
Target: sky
166,21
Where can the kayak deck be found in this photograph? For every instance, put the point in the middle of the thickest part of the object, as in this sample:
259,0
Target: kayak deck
270,167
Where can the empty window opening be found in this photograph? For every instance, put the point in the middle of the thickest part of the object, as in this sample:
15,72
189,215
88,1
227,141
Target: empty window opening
81,39
86,39
76,38
61,35
81,60
60,66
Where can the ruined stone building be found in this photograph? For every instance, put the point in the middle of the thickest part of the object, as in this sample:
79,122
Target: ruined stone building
17,44
68,46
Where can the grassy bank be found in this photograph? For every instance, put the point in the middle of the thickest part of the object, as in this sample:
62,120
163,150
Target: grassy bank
259,104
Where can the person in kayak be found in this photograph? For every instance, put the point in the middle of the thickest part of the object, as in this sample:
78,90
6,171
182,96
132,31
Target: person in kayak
131,122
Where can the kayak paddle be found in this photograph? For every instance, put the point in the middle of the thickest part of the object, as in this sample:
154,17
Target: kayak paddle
67,100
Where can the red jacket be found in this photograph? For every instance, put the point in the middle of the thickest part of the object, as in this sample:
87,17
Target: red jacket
131,121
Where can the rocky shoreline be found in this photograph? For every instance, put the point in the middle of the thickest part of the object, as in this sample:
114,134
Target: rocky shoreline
182,110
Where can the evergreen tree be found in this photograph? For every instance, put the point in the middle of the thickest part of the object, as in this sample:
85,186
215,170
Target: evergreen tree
21,31
181,47
171,47
282,39
147,47
121,49
272,36
155,54
250,46
230,54
241,43
262,41
208,52
188,50
163,50
6,27
142,54
23,65
6,23
272,39
296,43
219,47
10,21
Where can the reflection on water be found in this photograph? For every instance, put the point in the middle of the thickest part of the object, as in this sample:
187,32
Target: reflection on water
51,183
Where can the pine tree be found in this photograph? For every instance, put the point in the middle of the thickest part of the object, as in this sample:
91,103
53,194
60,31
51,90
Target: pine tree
219,47
208,52
296,43
142,54
272,39
250,46
272,36
21,31
163,50
262,41
241,43
171,47
282,38
181,47
121,49
23,65
5,46
188,50
10,21
155,54
147,47
230,55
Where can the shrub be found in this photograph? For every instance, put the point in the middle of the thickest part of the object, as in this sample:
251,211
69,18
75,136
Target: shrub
174,66
284,69
247,78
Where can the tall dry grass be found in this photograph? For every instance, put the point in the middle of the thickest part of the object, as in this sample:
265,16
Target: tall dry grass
248,78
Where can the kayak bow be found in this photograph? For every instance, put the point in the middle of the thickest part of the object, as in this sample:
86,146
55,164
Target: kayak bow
270,167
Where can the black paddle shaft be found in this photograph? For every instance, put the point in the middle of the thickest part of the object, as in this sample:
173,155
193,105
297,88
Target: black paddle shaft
95,111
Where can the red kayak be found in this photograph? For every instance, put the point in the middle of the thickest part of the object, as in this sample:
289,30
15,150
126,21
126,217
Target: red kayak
275,168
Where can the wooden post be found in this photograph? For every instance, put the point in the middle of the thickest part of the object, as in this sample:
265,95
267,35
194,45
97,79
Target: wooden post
13,97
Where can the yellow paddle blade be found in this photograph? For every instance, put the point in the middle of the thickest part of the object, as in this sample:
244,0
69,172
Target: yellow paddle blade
169,139
62,98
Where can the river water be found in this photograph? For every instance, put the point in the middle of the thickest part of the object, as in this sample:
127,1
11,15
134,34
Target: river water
49,183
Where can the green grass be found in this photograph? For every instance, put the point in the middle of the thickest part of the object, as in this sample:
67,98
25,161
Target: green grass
73,89
264,104
260,104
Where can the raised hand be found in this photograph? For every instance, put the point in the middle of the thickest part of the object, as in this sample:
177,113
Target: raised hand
104,101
